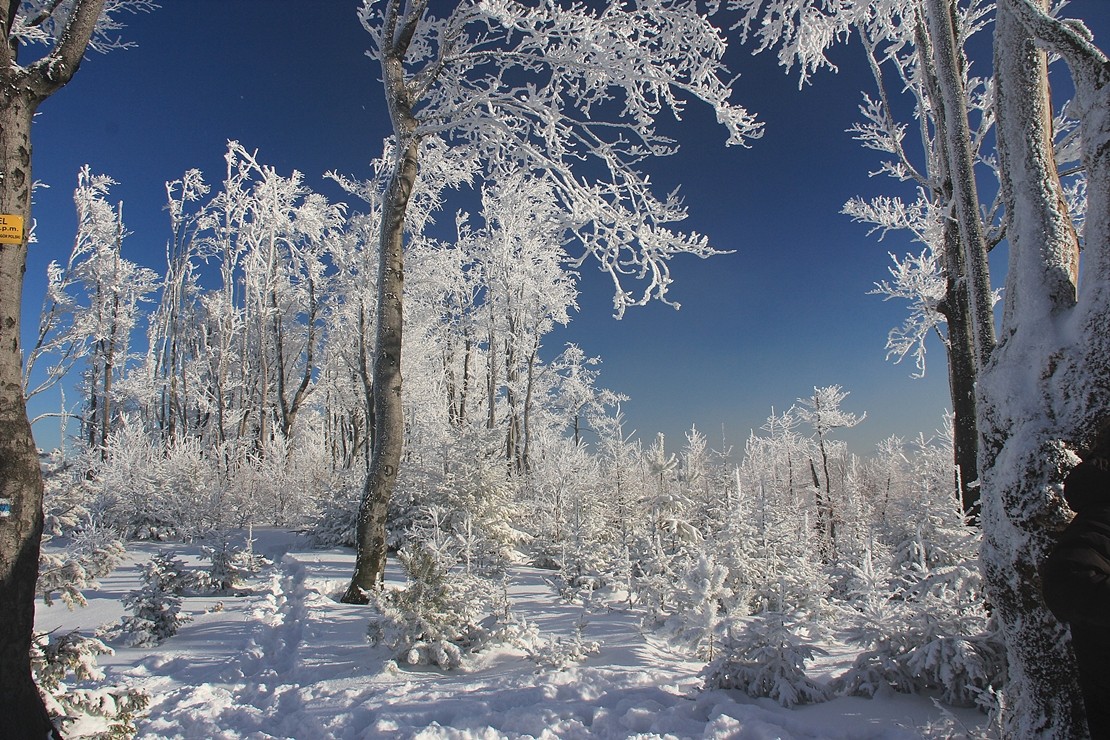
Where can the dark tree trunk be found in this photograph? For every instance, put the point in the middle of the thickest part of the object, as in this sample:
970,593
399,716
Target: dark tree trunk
22,89
956,306
962,374
22,713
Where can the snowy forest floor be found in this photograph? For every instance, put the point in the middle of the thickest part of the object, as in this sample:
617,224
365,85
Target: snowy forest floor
284,659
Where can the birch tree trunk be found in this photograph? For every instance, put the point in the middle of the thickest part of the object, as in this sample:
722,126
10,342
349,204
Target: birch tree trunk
22,89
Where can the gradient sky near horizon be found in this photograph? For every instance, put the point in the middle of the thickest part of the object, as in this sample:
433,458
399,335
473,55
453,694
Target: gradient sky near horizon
788,309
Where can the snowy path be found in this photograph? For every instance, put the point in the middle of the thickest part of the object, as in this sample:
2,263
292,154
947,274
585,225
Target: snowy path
288,661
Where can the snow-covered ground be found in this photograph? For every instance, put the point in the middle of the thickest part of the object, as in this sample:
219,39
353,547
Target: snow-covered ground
286,660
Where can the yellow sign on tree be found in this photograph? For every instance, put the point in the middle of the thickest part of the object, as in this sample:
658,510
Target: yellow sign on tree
11,229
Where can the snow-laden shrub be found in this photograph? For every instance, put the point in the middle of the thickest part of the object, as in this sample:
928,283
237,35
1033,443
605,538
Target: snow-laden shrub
278,480
949,727
436,617
77,549
935,636
156,606
335,525
88,555
655,580
67,501
767,658
65,670
563,652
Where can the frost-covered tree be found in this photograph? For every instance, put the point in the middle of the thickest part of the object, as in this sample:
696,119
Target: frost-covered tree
91,310
916,51
60,33
1052,349
823,414
496,79
156,606
767,657
236,364
67,674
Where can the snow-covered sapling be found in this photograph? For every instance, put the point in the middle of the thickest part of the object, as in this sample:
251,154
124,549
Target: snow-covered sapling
110,711
767,658
65,573
435,618
560,653
232,565
156,607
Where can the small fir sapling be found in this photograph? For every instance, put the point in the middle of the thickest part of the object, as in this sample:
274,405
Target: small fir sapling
935,635
766,658
89,550
436,617
64,668
89,554
654,580
231,565
560,653
156,606
78,702
699,599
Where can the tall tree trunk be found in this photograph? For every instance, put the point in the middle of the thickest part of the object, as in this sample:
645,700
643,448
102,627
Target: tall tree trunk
952,123
956,306
389,419
22,89
22,713
962,375
1022,456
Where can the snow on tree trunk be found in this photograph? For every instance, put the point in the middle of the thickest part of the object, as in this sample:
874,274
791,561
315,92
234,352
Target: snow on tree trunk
1031,405
952,123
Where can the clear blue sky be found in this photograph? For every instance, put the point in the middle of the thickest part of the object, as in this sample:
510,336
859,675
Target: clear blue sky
758,328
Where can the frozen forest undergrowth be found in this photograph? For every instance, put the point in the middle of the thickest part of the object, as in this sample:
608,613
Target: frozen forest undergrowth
283,659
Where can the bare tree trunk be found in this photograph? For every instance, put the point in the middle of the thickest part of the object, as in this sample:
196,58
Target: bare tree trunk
22,89
22,713
389,419
963,367
962,375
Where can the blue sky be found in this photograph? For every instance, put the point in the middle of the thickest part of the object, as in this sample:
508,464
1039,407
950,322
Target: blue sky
758,328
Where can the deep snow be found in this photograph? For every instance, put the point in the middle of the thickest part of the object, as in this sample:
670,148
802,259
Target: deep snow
287,661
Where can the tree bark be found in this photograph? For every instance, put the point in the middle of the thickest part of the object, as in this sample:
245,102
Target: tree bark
22,713
389,420
962,375
1052,354
962,362
22,89
953,126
